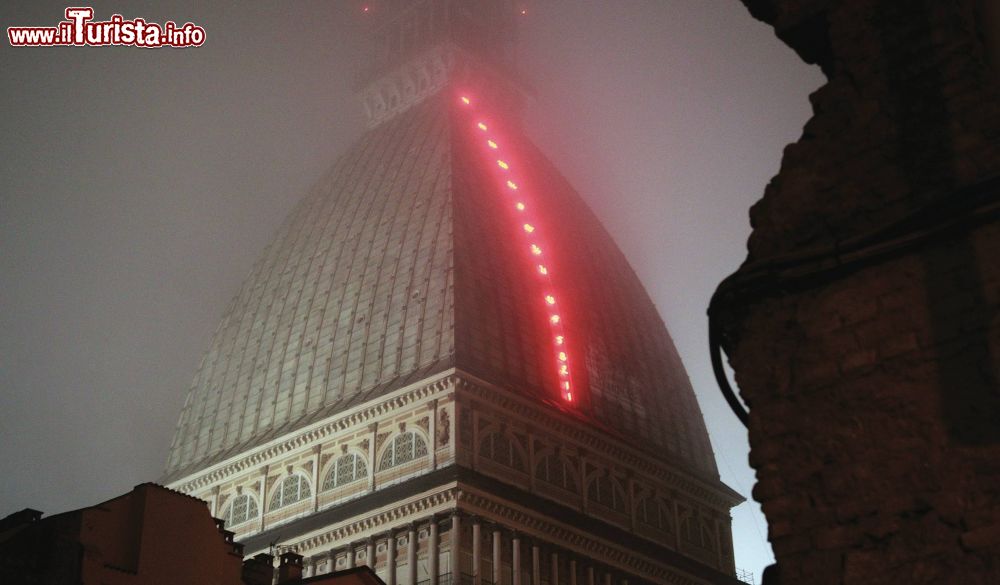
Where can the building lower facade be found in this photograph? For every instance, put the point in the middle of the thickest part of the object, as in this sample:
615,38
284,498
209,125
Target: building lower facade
390,483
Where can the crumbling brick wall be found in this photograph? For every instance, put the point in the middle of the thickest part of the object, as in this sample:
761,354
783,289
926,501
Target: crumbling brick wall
864,328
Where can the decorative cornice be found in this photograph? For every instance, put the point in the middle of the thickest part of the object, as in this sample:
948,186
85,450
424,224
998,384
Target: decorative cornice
464,499
305,437
530,524
388,520
548,421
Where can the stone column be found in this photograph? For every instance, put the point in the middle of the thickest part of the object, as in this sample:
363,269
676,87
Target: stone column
554,577
536,570
572,572
477,553
373,428
456,549
390,577
590,575
497,561
607,578
262,490
433,557
214,503
315,477
411,554
432,412
370,553
515,575
350,556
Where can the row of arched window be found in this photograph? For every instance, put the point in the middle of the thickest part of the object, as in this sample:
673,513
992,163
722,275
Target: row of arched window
555,470
346,469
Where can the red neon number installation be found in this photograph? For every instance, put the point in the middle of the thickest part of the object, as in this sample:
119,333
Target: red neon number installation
529,233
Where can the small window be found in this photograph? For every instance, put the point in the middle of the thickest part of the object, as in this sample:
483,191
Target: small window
346,469
653,513
404,448
497,447
293,488
242,509
553,470
606,492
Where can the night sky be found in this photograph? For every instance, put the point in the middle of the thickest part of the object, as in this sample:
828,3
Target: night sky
137,187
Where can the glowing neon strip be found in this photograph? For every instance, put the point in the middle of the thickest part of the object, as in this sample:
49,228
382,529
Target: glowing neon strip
529,231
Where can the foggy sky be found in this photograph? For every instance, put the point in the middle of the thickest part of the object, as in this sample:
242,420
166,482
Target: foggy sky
138,186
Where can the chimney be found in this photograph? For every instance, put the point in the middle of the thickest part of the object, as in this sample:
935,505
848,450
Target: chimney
289,568
258,570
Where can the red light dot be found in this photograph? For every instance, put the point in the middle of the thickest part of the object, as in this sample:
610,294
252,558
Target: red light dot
563,370
542,269
559,339
512,185
550,299
565,386
536,250
482,126
465,100
364,9
524,11
569,397
554,319
492,144
519,206
562,356
529,228
503,165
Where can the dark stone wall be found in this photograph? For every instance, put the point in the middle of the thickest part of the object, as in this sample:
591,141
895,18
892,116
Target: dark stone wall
864,327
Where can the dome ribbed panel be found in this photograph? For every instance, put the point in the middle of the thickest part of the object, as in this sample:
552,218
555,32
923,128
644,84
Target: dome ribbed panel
353,298
627,372
405,260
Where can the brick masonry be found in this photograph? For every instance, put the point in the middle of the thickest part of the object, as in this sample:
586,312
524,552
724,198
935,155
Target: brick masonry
873,391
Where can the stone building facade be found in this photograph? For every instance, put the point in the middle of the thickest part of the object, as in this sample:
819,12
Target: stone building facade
443,367
863,328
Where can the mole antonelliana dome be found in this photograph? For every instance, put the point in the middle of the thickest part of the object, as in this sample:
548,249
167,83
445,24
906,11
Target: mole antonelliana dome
403,262
442,366
400,263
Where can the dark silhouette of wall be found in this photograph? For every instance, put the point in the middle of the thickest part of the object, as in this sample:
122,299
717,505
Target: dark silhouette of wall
864,328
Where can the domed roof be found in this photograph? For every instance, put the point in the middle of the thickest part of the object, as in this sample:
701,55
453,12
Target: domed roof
402,263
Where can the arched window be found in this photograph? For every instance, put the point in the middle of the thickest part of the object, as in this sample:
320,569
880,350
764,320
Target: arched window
404,448
345,469
499,448
553,470
242,508
293,488
606,492
697,532
652,512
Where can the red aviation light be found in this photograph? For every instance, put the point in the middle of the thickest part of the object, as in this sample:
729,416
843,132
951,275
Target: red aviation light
555,321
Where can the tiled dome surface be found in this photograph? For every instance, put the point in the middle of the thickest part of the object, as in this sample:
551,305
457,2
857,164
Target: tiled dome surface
402,262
